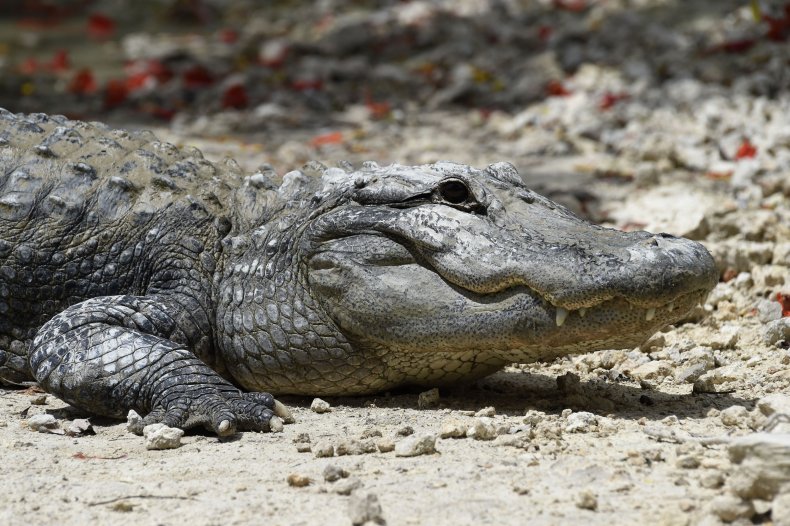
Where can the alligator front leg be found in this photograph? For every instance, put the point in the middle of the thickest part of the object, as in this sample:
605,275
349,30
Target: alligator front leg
114,353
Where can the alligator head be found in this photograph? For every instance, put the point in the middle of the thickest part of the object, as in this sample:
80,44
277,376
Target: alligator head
427,263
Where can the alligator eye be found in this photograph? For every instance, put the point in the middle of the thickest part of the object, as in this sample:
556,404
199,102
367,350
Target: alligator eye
454,192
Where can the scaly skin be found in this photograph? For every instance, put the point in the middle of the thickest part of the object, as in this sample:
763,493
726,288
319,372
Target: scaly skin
135,275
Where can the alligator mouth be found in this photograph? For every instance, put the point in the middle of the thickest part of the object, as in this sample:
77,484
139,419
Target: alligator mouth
674,309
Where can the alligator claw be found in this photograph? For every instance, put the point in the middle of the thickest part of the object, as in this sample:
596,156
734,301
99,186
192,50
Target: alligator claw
224,427
223,413
283,412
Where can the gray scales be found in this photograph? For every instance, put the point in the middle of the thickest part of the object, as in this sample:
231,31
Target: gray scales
138,275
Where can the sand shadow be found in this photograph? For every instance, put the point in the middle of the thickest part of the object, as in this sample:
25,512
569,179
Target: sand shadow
512,393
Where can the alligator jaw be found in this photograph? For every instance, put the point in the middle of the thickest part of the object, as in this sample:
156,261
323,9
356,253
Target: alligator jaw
682,303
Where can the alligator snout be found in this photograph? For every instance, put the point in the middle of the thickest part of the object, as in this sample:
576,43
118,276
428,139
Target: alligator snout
663,267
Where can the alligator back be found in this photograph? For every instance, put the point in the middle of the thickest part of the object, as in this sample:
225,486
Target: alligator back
83,209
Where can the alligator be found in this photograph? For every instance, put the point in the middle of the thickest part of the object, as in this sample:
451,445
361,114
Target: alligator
135,274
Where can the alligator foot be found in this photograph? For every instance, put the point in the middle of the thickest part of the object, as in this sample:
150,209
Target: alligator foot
115,353
223,413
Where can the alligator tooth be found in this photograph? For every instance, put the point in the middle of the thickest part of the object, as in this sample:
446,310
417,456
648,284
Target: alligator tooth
583,312
561,315
671,306
650,314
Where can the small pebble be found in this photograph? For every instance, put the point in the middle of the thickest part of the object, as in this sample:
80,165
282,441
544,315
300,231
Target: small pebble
333,473
586,500
370,432
768,310
774,403
303,447
482,429
521,489
39,400
363,508
320,406
134,422
346,486
324,449
581,422
405,431
386,445
780,509
712,480
428,399
487,412
533,417
160,436
777,331
730,508
453,429
415,445
735,416
298,481
122,506
688,462
354,447
42,423
716,380
80,427
511,440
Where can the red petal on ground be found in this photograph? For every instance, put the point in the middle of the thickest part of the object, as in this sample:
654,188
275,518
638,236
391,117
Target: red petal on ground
235,97
778,28
746,150
228,36
737,46
115,93
729,275
60,61
146,74
719,176
555,89
485,113
197,77
545,32
38,24
161,72
137,81
83,83
575,6
100,26
29,67
327,138
378,110
610,99
160,112
307,85
784,300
